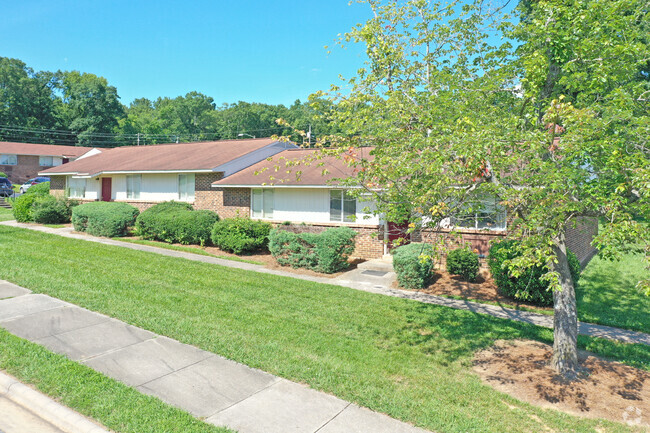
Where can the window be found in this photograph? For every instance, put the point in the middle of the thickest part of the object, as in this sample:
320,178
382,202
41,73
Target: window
486,214
186,187
49,161
262,205
343,207
76,188
133,186
8,159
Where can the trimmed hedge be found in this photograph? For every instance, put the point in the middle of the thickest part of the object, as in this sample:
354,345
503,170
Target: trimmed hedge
463,262
326,252
102,218
240,235
527,287
413,264
48,209
176,222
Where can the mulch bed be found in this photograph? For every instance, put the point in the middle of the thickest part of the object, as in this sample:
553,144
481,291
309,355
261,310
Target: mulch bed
606,389
483,289
266,259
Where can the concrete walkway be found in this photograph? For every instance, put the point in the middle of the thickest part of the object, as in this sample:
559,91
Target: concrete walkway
359,279
220,391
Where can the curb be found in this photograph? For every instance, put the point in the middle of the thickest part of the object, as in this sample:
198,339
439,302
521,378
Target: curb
60,416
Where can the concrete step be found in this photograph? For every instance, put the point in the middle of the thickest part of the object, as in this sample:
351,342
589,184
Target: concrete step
376,265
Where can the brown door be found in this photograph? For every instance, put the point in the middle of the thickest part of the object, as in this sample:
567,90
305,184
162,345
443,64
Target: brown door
106,188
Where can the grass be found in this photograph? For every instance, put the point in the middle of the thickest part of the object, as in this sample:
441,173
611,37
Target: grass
186,250
512,305
404,358
6,214
111,403
607,294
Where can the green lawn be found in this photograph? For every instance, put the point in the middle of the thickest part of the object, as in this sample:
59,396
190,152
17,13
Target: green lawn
117,406
6,214
404,358
607,293
185,249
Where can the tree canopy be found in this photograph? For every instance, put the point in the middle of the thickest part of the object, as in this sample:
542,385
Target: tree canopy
552,119
71,107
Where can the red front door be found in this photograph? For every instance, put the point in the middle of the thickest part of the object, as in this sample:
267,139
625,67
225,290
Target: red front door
106,188
398,231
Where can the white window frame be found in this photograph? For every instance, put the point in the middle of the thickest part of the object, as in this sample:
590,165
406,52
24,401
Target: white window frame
43,158
186,187
8,159
262,209
345,197
78,190
133,186
488,207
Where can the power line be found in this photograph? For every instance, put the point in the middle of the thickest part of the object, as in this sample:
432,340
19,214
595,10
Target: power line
117,139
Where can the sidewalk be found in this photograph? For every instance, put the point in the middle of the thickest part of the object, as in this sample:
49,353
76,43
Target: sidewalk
359,280
210,387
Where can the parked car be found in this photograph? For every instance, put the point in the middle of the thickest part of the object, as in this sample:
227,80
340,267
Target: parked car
6,187
34,181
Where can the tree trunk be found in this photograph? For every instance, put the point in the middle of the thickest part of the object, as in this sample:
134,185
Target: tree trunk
565,322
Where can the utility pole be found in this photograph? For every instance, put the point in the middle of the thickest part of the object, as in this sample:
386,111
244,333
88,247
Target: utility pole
138,139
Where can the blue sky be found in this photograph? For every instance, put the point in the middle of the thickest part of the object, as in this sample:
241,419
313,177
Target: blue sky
249,50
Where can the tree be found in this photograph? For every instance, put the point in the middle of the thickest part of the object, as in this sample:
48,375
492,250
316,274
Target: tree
556,128
26,98
90,106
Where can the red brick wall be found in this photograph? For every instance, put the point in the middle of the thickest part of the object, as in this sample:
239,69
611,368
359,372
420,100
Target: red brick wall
579,237
57,185
26,168
369,241
226,202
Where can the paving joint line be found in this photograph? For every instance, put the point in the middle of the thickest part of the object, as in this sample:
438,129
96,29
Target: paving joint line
110,351
277,380
333,418
211,355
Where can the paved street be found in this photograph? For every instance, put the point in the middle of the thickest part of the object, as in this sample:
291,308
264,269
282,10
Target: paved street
16,419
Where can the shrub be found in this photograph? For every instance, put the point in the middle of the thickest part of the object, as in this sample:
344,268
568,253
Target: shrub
176,222
240,235
22,207
528,286
101,218
326,252
2,174
48,209
333,248
413,264
297,250
39,188
463,262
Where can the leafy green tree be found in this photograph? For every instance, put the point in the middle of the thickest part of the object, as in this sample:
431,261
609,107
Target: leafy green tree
90,106
556,128
26,98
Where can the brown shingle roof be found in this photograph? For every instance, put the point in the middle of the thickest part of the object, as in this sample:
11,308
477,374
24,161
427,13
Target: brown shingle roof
42,149
281,170
204,155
